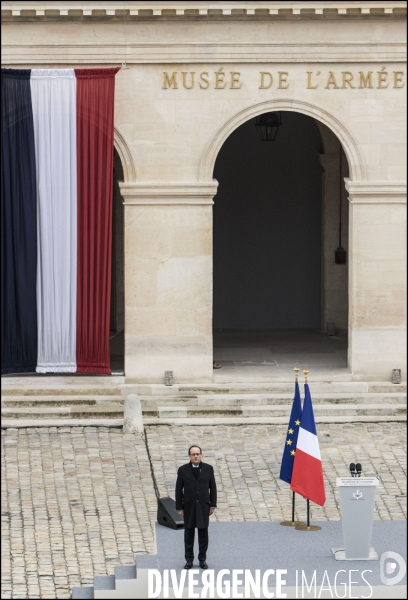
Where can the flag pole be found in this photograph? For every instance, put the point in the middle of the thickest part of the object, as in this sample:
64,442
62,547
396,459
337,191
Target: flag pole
306,526
293,523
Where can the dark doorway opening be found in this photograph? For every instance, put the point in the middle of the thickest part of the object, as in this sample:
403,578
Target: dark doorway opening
268,237
117,313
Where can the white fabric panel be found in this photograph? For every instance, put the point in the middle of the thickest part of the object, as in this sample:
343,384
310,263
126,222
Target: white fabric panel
308,442
54,113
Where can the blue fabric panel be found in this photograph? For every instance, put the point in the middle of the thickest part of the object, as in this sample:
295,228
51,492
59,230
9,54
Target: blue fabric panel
308,421
18,225
291,438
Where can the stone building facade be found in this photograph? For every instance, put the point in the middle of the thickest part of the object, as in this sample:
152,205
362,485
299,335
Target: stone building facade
196,72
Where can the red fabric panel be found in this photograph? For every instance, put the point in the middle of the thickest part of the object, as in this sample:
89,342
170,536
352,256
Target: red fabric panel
95,102
307,478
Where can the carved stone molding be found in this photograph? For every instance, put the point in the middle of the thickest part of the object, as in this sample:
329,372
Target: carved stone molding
376,192
164,193
202,9
180,53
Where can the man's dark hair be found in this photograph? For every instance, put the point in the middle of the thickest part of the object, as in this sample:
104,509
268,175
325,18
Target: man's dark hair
194,446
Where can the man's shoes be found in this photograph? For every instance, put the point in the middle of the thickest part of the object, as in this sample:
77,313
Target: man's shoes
188,564
203,564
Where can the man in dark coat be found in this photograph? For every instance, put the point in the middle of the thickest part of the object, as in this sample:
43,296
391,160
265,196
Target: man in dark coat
196,500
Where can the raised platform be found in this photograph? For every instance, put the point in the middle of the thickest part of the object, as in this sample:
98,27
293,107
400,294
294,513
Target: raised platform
266,546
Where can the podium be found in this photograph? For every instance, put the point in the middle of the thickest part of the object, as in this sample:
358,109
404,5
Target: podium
357,499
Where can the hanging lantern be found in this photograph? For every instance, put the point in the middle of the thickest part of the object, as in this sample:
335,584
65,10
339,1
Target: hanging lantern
268,125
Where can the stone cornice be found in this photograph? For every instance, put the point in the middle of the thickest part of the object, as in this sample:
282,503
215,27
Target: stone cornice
181,53
376,192
202,9
164,193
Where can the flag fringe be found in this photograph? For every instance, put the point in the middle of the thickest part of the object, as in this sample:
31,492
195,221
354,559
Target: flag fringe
56,368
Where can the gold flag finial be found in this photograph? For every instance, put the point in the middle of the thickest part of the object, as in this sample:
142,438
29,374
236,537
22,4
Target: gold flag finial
305,373
296,369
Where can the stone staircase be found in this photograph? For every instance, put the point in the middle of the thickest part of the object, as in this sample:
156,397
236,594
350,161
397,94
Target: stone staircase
49,401
127,582
79,401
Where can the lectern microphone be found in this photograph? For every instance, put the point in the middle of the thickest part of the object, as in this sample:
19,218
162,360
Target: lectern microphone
358,469
353,469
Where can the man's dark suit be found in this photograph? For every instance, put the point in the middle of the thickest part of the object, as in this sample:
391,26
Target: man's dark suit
195,496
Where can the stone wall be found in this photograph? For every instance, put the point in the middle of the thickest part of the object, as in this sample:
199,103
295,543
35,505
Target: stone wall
345,69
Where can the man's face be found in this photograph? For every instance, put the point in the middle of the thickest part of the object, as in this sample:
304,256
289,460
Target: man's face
195,455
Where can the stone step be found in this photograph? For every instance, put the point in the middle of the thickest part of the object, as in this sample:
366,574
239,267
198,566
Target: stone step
85,405
330,410
105,385
49,401
387,388
55,412
276,399
67,390
112,408
149,402
254,387
60,422
127,582
196,420
105,408
211,421
275,411
317,375
288,387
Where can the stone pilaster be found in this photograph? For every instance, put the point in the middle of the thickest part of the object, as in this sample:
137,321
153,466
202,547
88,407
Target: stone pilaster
377,279
168,281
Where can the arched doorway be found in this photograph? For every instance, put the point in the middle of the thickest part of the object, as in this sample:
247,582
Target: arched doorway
277,288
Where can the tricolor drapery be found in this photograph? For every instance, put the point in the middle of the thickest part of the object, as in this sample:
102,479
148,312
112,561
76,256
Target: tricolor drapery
56,203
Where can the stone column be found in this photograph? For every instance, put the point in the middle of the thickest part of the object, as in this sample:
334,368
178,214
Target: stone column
168,281
377,279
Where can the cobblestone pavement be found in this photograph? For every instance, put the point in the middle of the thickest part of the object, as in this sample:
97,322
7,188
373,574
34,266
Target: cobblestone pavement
76,501
247,461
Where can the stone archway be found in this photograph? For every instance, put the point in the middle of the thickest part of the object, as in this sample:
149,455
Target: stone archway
125,155
355,160
356,167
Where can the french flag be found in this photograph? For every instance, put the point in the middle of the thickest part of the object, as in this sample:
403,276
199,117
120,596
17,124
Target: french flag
307,475
56,219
